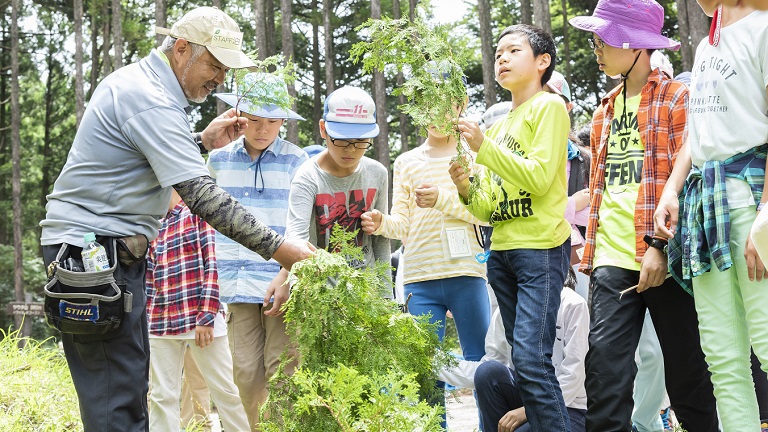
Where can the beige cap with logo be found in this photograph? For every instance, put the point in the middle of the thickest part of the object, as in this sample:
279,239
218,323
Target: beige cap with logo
215,30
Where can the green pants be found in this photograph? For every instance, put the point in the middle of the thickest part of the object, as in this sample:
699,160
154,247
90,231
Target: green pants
732,312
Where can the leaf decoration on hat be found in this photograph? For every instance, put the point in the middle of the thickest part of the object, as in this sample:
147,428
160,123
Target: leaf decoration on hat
259,92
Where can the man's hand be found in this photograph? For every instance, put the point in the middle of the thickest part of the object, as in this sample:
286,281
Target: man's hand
653,269
755,266
426,195
224,129
513,420
667,211
471,132
203,336
370,221
280,290
581,199
293,251
460,178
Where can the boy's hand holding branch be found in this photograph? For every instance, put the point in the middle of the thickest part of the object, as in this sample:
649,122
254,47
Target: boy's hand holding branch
471,132
460,177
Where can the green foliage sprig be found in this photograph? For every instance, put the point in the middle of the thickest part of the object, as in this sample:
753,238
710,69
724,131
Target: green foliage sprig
434,86
364,363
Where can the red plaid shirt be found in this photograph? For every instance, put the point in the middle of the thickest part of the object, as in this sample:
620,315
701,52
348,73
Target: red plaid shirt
182,287
661,121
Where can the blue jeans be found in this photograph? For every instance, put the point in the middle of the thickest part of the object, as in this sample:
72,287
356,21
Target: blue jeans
467,299
527,283
498,393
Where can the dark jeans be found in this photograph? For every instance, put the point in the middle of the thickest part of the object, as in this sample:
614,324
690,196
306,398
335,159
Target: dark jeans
527,283
111,372
614,334
498,393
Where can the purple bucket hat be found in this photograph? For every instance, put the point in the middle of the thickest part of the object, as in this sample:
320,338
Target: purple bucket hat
627,24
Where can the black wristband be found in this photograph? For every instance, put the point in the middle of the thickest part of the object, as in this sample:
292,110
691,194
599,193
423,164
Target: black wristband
655,243
198,137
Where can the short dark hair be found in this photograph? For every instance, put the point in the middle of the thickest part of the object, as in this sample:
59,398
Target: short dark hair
540,41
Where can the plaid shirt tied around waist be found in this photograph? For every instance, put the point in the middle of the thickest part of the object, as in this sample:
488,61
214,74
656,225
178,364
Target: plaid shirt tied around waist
705,225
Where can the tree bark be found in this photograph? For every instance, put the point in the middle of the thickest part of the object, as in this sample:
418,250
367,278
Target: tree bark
271,35
526,13
18,252
79,80
292,126
566,45
161,19
541,15
412,9
317,106
45,181
221,106
487,51
330,82
105,38
403,118
95,53
260,26
117,33
381,142
694,26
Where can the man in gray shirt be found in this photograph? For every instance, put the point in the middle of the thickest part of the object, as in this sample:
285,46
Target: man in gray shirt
133,145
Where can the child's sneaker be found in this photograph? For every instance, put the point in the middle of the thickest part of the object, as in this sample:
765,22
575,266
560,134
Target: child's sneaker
666,421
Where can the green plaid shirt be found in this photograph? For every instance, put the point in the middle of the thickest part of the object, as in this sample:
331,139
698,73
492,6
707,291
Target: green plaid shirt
705,225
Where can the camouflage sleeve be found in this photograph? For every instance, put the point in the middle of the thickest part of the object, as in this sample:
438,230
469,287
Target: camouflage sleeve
224,213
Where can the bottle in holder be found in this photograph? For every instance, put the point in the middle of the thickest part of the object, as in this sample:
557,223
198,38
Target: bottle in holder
94,255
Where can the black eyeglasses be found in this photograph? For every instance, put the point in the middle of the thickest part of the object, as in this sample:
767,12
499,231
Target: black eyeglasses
596,44
360,145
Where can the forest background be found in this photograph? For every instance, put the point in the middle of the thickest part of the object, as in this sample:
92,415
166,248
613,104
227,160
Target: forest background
53,53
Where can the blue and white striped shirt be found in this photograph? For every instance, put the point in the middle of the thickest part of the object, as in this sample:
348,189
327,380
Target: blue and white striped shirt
262,186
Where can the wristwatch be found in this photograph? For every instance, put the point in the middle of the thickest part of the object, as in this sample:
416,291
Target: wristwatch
656,242
198,137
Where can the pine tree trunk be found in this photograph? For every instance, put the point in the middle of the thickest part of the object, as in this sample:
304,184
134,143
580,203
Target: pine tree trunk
45,181
566,44
18,257
487,51
292,126
105,38
161,19
260,26
270,25
526,13
541,15
95,53
79,80
5,28
117,33
412,9
403,118
693,26
381,142
317,106
330,82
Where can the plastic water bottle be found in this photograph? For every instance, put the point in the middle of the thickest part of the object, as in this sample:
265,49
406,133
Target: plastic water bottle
94,255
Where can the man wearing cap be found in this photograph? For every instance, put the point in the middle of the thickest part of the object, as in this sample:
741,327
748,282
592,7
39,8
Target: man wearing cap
637,132
257,170
133,145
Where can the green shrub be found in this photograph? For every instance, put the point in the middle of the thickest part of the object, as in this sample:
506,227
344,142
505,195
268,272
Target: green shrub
365,365
37,392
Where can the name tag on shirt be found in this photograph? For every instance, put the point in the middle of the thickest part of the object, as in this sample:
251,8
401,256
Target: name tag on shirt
458,242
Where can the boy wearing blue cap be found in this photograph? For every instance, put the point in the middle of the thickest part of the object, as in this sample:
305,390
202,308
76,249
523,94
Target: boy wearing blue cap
637,132
257,170
340,183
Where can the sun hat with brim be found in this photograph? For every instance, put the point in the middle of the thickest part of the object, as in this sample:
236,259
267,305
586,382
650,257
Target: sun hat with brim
627,24
263,95
350,113
559,85
215,30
